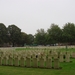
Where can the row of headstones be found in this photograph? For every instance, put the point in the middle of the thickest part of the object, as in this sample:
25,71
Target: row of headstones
42,61
29,61
63,56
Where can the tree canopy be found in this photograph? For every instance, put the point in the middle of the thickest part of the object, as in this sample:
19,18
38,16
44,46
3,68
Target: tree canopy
54,33
40,37
12,35
69,33
3,34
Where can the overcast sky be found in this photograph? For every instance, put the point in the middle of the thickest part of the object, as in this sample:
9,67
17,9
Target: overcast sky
30,15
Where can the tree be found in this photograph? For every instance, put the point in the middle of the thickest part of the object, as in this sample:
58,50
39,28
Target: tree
40,37
69,33
54,34
14,34
24,38
30,39
3,34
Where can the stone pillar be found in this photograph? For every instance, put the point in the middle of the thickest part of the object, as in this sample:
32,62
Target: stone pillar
0,60
49,62
56,62
22,62
73,55
28,60
5,60
67,57
10,60
34,61
16,60
41,62
61,58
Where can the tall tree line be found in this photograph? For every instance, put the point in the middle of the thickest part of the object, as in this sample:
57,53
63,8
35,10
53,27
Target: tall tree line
13,36
56,35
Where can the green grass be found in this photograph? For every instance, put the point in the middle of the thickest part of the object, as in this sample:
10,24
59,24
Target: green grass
67,69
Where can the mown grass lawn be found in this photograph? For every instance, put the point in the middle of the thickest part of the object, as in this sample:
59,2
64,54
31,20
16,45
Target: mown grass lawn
67,69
